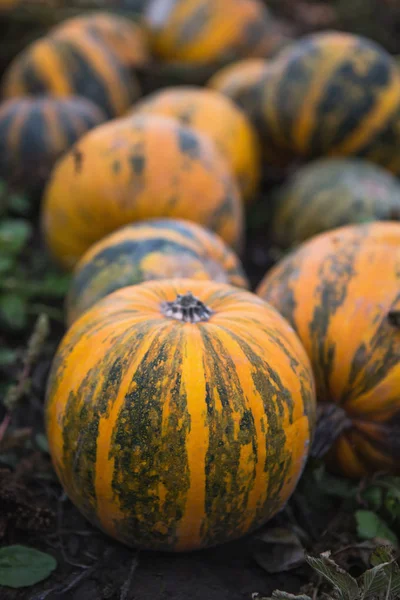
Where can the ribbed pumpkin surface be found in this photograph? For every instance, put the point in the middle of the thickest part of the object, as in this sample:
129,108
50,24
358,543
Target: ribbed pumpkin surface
334,94
213,114
34,132
329,193
338,291
134,169
176,436
153,249
124,37
210,31
82,66
237,79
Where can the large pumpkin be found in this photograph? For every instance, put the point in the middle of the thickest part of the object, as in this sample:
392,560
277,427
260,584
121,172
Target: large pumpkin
213,114
82,66
341,293
211,31
179,421
152,249
137,168
333,94
34,132
123,36
329,193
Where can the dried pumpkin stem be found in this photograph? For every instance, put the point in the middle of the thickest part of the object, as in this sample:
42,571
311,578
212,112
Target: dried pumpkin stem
186,308
332,420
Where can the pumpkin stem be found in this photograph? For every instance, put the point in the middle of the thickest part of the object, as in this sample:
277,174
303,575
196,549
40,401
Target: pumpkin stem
186,308
332,420
394,318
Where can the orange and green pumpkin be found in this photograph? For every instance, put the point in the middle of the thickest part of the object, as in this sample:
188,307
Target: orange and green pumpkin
210,31
152,249
213,114
180,420
123,36
35,132
341,293
134,169
81,66
333,94
236,80
330,193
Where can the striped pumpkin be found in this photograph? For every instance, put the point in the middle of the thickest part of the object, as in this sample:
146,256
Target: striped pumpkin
211,31
333,94
125,38
152,249
34,132
133,169
83,66
190,424
213,114
329,193
341,293
237,80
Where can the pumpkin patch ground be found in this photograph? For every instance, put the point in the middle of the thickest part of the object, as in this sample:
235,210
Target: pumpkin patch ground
159,445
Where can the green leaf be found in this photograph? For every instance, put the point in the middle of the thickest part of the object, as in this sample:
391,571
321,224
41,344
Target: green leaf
373,581
21,566
13,310
7,357
370,526
14,234
19,204
373,496
42,443
344,583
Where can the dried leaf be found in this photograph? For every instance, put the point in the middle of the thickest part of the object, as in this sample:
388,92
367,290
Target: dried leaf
344,583
278,550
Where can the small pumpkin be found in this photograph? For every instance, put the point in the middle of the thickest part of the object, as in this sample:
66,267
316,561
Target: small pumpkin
213,114
210,31
340,292
237,79
82,66
34,132
333,94
133,169
330,193
190,423
123,36
152,249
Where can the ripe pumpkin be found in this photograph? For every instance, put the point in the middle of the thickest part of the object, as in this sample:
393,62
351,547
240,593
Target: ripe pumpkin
333,94
329,193
210,31
190,424
213,114
123,36
152,249
340,292
237,79
34,132
82,66
133,169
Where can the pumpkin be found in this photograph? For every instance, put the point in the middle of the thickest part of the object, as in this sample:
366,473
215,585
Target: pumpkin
213,114
83,66
133,169
179,413
152,249
340,292
237,79
332,94
329,193
34,132
124,37
210,31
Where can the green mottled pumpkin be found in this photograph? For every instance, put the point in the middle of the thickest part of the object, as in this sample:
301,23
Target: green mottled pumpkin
152,249
35,132
80,65
332,94
179,421
329,193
